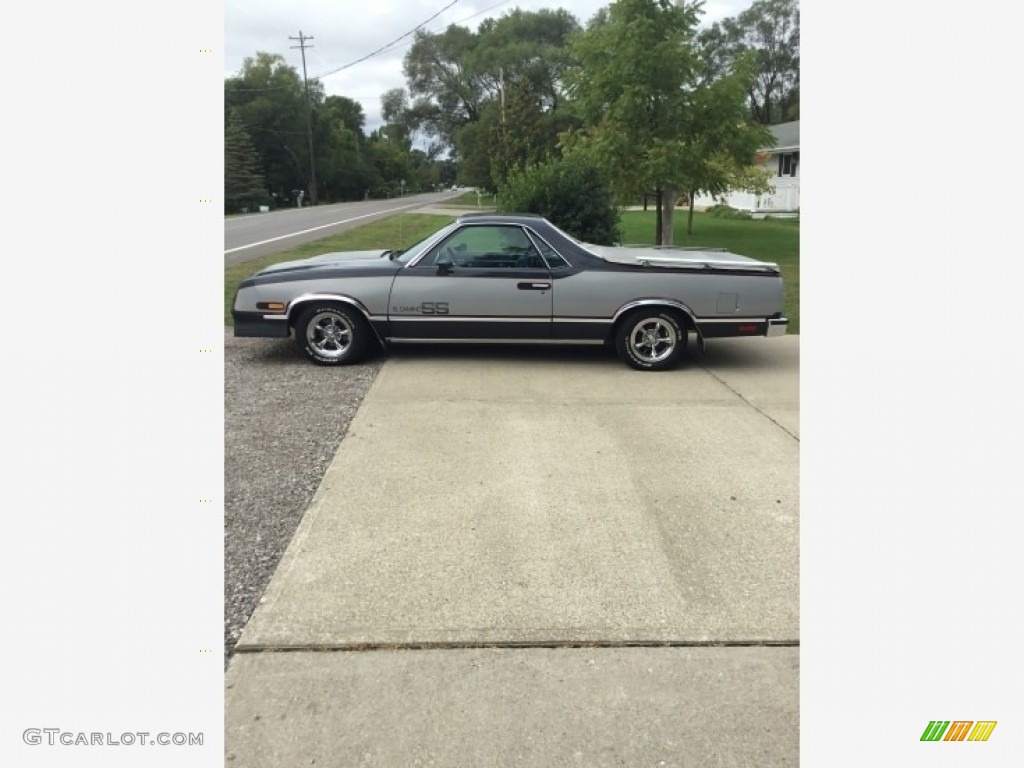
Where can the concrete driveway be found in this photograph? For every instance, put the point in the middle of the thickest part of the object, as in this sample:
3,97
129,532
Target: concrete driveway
541,558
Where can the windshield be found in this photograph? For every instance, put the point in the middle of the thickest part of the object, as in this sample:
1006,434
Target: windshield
413,251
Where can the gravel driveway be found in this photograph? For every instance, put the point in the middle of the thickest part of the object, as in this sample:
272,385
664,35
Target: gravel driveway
283,421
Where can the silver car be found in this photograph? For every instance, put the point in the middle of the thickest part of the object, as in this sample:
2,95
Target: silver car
496,278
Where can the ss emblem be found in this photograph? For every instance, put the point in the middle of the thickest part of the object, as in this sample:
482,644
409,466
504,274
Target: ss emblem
434,307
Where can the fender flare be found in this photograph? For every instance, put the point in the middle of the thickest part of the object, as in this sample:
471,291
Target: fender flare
296,305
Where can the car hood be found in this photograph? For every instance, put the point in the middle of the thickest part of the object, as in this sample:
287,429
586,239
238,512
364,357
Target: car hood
674,256
329,260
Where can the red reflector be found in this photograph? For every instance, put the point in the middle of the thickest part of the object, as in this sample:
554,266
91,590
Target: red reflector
747,328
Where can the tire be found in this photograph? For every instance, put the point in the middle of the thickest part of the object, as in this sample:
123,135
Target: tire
332,335
651,340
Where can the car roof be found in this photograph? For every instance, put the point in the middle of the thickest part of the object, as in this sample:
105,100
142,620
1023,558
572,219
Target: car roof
501,218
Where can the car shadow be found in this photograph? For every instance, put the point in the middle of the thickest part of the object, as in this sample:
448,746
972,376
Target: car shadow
721,354
744,354
512,353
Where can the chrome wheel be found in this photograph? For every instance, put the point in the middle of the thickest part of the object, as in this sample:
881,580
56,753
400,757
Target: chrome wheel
332,334
653,340
329,335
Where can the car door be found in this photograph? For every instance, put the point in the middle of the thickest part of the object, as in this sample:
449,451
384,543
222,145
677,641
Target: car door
482,282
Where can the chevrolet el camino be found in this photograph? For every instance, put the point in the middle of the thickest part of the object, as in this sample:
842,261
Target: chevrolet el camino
510,278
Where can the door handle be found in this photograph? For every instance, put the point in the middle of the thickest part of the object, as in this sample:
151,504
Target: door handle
534,286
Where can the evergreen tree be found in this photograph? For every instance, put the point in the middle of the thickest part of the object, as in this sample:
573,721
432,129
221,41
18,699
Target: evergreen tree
244,185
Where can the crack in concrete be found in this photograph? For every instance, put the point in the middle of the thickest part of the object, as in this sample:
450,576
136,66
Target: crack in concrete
512,645
741,397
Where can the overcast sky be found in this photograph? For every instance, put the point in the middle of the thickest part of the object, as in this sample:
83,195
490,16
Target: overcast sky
346,30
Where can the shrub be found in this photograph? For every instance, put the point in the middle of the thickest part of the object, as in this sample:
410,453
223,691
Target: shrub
727,212
569,193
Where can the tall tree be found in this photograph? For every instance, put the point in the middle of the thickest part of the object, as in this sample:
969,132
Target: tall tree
244,185
526,46
721,142
393,164
268,97
770,31
345,170
400,119
437,73
474,147
653,119
455,76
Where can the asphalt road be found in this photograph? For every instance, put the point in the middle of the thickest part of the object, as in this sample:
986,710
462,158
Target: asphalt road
249,237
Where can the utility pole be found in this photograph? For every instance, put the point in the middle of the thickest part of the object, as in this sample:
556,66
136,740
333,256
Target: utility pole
309,115
501,89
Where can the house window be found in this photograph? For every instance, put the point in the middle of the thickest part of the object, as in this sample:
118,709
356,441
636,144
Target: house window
788,163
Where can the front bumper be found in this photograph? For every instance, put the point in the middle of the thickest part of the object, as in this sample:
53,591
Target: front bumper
260,325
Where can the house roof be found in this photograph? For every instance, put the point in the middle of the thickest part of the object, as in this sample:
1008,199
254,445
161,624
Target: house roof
787,136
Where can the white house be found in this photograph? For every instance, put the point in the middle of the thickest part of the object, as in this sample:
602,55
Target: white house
783,160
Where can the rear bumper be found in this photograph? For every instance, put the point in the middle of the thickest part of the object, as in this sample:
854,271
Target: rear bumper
777,326
257,324
722,328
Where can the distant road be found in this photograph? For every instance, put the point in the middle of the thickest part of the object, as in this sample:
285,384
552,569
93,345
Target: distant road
249,237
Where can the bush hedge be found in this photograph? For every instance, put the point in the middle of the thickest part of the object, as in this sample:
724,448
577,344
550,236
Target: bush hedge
569,193
727,212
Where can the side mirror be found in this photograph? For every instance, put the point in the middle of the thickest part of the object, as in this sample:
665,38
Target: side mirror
444,264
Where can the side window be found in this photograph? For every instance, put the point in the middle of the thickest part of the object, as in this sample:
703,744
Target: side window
487,247
551,256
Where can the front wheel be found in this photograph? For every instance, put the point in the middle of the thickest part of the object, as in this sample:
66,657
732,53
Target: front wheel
332,335
651,340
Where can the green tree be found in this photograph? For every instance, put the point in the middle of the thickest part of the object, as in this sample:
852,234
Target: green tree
570,193
720,140
529,129
653,119
526,47
458,77
399,119
268,98
474,145
344,167
770,31
448,93
244,185
392,162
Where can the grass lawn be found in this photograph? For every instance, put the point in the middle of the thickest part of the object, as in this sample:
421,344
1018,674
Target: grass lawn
394,233
776,240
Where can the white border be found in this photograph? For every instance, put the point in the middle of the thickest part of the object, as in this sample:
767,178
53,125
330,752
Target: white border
912,429
112,450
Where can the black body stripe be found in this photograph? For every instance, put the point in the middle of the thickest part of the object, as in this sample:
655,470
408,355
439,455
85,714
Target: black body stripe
385,269
508,274
470,329
594,331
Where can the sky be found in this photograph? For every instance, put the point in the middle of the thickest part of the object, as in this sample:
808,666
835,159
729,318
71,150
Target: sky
344,31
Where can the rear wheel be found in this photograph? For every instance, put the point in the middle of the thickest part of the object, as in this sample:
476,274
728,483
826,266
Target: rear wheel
332,335
651,340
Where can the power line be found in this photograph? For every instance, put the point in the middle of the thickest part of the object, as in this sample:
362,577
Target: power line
383,49
393,47
485,10
388,45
